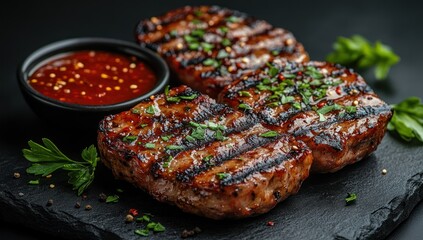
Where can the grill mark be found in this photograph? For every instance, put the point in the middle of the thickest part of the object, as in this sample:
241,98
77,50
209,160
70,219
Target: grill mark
360,113
252,142
260,166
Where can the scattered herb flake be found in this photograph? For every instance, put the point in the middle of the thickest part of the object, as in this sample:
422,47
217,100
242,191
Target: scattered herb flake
112,199
150,145
129,138
350,109
269,134
244,106
350,199
174,147
135,111
142,232
34,182
222,175
166,138
232,19
151,110
189,97
244,94
226,42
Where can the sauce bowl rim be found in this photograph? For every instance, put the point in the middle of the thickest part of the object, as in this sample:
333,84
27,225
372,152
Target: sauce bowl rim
152,59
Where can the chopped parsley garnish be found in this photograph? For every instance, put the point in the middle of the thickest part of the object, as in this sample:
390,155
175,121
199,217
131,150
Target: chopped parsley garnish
189,97
244,106
269,134
135,111
151,110
198,13
112,199
273,71
193,46
198,133
222,176
244,94
174,147
329,108
142,232
143,125
150,145
207,158
350,199
350,109
207,47
226,42
232,19
211,62
219,135
129,138
296,105
197,33
167,162
223,29
34,182
166,138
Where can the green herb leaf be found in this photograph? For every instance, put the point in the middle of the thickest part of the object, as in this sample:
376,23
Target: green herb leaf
232,19
350,109
166,138
48,158
207,158
143,125
244,106
211,62
222,176
135,111
142,232
159,228
112,199
207,47
222,54
34,182
167,162
226,42
190,97
244,94
357,51
193,46
197,33
150,145
129,138
329,108
351,198
223,29
407,120
151,109
269,134
174,147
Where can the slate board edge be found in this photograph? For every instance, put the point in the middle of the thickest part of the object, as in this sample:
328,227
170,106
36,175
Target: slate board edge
384,220
37,217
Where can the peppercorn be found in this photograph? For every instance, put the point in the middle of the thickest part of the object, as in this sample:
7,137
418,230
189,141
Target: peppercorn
129,218
88,207
77,205
49,202
16,175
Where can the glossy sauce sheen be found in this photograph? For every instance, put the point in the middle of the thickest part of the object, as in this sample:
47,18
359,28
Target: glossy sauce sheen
93,78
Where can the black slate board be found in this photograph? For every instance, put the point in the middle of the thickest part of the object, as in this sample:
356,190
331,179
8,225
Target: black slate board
318,211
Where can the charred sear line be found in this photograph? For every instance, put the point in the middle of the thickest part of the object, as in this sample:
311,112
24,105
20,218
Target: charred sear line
252,142
260,166
333,141
282,116
360,113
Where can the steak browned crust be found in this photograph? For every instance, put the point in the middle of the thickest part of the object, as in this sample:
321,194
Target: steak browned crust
327,106
206,158
209,46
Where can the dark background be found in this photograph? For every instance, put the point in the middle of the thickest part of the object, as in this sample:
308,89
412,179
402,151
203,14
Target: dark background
30,25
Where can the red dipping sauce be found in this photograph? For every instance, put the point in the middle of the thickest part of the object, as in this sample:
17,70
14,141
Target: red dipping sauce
93,78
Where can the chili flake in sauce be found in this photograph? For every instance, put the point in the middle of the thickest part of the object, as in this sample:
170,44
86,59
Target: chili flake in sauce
93,78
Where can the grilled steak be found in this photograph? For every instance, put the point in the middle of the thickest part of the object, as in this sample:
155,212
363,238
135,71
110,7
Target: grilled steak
329,107
209,46
206,158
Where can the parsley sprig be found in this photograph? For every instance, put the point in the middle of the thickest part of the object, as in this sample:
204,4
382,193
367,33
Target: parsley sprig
407,120
48,158
358,52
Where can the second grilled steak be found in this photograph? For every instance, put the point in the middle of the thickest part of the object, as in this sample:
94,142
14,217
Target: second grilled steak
206,158
327,106
209,46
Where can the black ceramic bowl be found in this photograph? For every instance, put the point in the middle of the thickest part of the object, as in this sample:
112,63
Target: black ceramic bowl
61,113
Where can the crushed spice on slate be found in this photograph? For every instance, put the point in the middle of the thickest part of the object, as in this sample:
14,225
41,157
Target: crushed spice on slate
102,197
21,194
384,171
84,196
77,205
270,223
189,233
16,175
52,186
49,202
88,207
